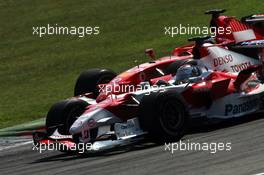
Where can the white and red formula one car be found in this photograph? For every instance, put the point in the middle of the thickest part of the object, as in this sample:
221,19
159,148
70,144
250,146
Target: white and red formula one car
109,111
160,98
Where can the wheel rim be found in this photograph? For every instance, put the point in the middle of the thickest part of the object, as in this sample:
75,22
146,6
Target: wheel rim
172,117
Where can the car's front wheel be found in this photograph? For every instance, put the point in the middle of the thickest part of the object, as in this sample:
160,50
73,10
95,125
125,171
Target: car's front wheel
163,116
63,114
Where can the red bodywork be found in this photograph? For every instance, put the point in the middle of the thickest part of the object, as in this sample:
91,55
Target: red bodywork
141,73
236,26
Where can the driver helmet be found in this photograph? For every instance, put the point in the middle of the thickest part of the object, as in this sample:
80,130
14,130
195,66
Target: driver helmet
187,72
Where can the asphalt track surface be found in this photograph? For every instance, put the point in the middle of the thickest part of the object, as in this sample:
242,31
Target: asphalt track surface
245,157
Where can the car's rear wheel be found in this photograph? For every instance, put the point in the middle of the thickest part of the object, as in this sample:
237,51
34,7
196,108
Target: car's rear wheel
88,81
63,114
163,116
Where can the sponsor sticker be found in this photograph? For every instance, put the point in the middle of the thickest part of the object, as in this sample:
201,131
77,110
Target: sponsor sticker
232,109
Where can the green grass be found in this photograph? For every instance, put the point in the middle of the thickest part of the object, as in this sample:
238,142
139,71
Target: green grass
36,72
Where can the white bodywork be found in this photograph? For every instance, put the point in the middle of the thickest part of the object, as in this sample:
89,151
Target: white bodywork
221,59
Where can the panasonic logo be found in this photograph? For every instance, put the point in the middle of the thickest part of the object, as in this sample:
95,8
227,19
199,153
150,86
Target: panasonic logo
239,108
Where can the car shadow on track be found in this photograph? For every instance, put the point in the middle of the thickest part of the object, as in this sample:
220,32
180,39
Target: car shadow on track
195,129
209,126
71,155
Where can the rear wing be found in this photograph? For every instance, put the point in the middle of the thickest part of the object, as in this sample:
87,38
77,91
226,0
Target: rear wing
250,44
249,28
253,18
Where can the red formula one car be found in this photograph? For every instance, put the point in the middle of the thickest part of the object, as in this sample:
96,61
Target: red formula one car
157,99
103,92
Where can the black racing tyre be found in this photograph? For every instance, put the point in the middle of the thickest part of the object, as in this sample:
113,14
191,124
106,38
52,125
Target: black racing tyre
88,81
163,116
62,115
174,66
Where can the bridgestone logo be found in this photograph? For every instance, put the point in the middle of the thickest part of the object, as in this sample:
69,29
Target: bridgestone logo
239,108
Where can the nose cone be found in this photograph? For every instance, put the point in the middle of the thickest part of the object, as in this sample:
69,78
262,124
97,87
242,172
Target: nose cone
91,120
81,124
75,128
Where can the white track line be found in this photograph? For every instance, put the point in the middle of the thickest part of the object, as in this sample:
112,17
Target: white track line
15,145
259,174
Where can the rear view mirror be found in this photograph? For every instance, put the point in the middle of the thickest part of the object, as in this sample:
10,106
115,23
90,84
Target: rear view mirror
151,53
